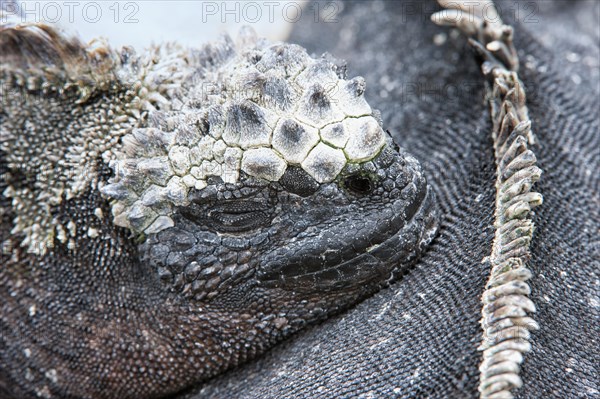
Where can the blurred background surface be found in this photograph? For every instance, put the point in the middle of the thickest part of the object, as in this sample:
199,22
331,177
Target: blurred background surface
142,22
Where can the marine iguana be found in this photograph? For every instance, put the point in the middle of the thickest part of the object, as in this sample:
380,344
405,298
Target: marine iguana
169,215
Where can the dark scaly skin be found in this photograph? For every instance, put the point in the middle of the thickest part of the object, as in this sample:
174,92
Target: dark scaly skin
116,314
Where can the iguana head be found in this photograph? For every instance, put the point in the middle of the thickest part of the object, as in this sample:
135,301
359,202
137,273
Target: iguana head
271,178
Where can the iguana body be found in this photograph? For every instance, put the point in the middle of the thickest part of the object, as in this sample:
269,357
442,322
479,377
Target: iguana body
170,215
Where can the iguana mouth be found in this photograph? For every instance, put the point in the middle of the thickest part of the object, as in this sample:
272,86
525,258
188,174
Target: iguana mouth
394,248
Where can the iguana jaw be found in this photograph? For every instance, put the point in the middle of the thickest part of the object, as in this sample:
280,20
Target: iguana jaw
379,263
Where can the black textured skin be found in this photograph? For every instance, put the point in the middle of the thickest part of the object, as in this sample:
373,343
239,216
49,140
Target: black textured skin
418,339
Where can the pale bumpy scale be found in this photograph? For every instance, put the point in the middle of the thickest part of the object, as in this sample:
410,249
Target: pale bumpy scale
170,119
256,109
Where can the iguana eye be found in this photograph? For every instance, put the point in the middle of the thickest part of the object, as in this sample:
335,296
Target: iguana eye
239,216
359,184
234,216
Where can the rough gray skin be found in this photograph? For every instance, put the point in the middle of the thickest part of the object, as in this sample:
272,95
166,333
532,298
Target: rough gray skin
126,274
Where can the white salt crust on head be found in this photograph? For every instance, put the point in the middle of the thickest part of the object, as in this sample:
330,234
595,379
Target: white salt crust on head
257,109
